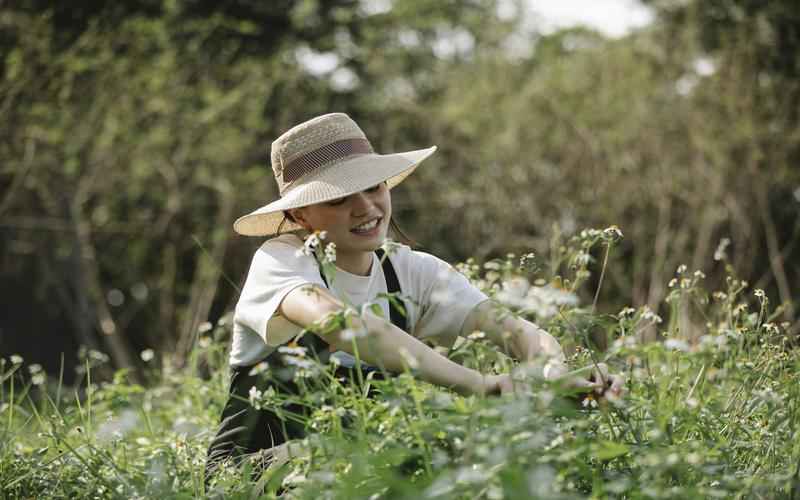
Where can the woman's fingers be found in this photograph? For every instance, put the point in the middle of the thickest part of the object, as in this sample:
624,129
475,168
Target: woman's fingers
606,383
494,385
583,385
617,386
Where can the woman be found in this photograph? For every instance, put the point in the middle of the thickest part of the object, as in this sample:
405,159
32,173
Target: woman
331,181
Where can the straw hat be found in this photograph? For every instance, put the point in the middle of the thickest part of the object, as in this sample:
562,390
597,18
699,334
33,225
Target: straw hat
325,158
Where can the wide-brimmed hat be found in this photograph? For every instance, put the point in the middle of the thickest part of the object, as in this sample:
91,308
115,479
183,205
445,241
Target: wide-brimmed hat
325,158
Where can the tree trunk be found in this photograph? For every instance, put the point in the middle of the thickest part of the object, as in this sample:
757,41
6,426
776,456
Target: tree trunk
206,280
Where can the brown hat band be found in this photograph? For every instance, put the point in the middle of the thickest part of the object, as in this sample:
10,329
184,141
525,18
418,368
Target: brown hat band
320,157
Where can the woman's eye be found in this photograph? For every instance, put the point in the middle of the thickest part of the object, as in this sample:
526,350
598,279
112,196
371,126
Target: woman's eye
373,188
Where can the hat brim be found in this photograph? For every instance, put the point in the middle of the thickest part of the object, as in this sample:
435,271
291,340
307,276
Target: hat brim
329,183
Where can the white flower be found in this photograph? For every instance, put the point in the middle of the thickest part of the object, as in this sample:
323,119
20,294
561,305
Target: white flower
681,269
330,252
528,261
119,426
476,335
313,241
16,359
34,368
543,301
390,246
204,327
302,363
147,355
349,334
582,259
38,379
98,356
720,253
259,368
612,234
590,233
294,351
759,293
676,345
649,315
714,342
255,397
513,292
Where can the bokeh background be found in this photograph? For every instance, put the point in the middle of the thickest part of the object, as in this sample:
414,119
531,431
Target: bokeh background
133,133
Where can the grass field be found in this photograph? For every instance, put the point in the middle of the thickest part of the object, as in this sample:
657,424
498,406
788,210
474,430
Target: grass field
712,411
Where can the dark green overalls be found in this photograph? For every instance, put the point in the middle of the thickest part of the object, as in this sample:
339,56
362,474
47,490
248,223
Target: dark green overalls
244,430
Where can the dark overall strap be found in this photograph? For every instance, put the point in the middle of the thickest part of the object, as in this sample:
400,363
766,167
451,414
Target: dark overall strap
397,316
246,430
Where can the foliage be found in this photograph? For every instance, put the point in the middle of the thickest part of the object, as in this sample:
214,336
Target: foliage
135,132
712,415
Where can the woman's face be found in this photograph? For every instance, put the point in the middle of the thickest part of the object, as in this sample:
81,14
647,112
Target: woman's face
356,223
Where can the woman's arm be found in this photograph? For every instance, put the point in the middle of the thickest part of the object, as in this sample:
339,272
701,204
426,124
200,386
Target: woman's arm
384,344
516,336
526,342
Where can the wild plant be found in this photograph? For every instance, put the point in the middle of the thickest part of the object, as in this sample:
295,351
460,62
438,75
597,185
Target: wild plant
712,407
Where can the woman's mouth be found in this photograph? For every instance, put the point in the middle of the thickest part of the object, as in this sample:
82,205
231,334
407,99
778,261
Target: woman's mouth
369,228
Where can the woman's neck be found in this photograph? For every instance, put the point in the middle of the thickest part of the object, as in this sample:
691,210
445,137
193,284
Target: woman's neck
359,263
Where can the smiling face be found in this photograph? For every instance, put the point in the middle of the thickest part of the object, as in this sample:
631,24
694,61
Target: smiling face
358,223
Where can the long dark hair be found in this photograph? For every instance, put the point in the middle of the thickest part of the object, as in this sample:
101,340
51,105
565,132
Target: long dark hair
398,234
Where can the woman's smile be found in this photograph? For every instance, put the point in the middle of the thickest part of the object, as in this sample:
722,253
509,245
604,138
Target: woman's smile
357,224
369,228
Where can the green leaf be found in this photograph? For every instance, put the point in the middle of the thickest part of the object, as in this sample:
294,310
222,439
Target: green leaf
606,450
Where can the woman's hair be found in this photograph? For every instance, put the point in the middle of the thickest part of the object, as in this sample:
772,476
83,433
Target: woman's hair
398,234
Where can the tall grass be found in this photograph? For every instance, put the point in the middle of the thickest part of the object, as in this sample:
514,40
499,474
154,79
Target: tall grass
712,410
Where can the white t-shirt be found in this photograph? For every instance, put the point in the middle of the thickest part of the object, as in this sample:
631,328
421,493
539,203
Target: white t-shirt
437,298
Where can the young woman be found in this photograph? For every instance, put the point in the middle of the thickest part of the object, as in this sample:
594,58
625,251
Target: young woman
330,180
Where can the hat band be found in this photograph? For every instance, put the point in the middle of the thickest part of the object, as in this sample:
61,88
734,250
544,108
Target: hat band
325,155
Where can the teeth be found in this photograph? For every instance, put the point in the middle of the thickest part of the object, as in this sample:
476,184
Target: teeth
367,226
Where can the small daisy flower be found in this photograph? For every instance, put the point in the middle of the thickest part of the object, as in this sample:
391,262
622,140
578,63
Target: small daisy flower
330,252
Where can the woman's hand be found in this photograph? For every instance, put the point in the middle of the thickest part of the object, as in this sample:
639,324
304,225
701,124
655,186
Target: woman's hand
591,379
497,385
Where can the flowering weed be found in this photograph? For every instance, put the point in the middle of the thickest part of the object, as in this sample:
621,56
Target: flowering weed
712,409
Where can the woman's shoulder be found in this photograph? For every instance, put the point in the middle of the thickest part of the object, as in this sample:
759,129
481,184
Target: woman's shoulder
282,242
282,253
280,247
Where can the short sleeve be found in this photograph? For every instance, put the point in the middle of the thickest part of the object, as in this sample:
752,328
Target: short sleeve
277,268
447,297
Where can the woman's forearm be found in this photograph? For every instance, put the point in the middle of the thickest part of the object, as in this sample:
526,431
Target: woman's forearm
383,345
519,338
531,342
387,346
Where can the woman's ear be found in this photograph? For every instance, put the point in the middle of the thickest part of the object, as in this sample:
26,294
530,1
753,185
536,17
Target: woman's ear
298,217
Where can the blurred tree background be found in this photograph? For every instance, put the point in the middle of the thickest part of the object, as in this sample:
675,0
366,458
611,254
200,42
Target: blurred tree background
134,133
